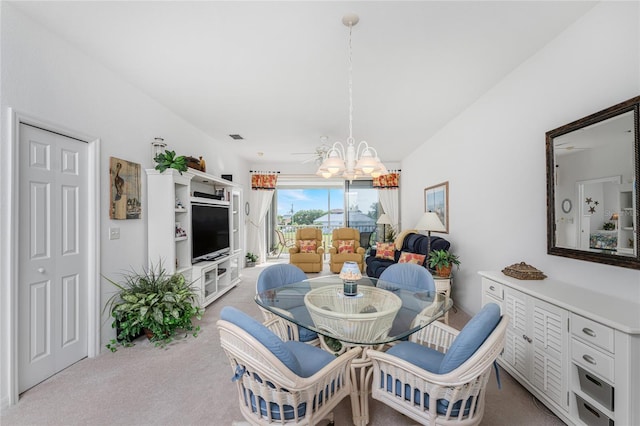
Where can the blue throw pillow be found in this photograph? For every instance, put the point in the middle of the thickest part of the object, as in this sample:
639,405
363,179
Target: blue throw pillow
265,336
471,337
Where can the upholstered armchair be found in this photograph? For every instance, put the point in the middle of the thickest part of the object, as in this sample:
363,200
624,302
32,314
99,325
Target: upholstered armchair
282,382
440,376
308,251
345,247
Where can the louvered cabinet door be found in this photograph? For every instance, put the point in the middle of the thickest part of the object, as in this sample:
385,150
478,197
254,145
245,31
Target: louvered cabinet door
517,352
550,369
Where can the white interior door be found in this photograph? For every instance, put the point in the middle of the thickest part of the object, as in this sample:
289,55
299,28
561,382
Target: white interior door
53,255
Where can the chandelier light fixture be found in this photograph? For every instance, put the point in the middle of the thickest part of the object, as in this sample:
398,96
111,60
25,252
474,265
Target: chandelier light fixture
350,161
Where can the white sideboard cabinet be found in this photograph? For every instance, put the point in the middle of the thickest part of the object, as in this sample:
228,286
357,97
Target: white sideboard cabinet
576,350
169,235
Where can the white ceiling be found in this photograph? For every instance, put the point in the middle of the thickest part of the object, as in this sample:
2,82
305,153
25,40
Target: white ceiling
276,72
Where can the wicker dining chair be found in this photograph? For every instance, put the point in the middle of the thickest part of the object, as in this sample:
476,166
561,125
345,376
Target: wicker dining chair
282,382
275,276
440,376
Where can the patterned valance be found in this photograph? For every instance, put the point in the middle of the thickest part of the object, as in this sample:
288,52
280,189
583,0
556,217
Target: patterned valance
388,181
264,181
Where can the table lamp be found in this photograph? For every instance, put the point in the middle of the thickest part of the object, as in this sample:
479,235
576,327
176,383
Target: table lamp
430,222
350,274
384,220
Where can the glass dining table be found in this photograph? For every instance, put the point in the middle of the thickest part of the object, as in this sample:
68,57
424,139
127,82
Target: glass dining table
378,314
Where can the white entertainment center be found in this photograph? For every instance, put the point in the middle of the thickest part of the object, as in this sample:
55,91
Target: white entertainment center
170,235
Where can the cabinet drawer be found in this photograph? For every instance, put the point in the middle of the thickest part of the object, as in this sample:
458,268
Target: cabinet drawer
591,415
592,332
493,288
592,359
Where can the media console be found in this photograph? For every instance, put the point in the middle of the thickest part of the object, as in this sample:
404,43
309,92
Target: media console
170,236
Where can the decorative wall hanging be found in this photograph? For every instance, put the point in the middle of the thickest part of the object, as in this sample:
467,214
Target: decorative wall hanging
436,199
592,204
124,194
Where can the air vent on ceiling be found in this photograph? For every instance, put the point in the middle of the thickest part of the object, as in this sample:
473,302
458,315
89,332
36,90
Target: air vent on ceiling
236,137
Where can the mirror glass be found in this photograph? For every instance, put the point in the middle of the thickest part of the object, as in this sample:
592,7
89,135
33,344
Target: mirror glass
592,203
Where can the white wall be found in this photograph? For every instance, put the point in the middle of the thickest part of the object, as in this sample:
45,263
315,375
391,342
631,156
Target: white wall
493,154
46,78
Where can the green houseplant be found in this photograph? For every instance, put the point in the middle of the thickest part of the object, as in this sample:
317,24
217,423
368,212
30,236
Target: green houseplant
154,302
251,259
442,261
168,159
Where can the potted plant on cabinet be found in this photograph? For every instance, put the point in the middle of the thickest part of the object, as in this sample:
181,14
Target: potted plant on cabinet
442,261
154,302
251,259
169,160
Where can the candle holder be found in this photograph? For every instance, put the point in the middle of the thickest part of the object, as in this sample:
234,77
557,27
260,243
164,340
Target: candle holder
350,274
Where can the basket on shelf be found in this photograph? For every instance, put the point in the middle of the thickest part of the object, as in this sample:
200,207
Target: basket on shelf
365,317
522,271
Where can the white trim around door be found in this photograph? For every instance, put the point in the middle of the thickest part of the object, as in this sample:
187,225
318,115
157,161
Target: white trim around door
10,276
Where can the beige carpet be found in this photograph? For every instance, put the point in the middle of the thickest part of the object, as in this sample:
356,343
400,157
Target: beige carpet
188,383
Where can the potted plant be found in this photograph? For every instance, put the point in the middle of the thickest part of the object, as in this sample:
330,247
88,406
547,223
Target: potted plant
251,259
442,261
154,302
168,159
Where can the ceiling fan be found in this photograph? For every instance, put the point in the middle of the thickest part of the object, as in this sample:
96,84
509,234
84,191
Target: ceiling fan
318,155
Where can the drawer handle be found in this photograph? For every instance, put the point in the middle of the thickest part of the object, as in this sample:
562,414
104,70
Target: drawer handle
589,332
528,339
589,359
591,410
593,380
492,288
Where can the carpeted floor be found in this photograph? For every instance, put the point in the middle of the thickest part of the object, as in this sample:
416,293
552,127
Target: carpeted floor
188,383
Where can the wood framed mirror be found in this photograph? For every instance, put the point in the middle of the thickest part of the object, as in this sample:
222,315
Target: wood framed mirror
593,166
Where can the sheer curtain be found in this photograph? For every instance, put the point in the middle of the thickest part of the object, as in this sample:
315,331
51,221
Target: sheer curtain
262,189
389,196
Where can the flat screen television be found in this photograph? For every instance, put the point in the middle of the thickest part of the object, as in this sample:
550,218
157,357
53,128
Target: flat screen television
209,231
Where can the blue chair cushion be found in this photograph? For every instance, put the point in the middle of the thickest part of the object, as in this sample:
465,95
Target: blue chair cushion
312,358
471,337
265,336
418,355
409,275
301,313
278,275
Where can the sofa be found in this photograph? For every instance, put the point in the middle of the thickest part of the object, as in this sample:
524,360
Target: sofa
409,242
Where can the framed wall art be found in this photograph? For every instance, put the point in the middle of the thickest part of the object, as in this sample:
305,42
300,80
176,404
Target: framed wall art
436,199
124,192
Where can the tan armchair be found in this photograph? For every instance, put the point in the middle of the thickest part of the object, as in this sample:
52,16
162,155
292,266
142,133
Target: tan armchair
307,259
346,236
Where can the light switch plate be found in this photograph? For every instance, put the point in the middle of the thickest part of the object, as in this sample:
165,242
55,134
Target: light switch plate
114,233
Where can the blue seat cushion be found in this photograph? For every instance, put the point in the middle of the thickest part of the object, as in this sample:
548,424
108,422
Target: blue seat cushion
265,336
471,337
311,358
302,314
418,355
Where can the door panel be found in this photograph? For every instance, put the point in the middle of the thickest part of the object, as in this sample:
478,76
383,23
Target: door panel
53,258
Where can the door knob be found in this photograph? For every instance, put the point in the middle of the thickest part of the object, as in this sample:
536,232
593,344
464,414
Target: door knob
41,270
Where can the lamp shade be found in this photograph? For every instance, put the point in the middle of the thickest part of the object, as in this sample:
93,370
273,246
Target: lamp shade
384,219
430,222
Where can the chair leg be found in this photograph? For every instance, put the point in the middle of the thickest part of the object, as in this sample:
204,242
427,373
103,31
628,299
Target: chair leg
281,248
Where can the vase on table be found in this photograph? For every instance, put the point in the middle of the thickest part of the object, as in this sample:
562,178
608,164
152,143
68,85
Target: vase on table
350,274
